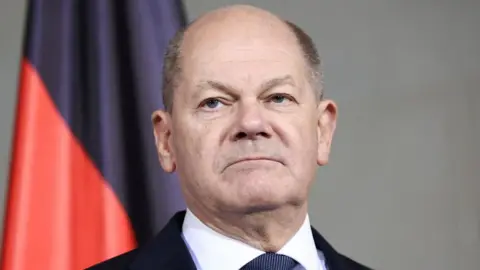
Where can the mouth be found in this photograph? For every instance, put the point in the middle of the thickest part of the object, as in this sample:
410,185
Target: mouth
253,159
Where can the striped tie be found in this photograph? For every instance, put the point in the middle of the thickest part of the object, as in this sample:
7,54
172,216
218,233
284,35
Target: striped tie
270,261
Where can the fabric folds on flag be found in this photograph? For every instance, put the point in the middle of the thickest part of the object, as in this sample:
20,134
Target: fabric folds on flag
85,182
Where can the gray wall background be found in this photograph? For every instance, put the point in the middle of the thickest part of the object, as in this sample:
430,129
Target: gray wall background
402,190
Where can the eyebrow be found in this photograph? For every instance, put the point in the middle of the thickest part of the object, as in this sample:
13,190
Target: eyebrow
226,88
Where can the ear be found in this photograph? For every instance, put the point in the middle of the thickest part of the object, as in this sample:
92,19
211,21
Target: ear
162,130
327,121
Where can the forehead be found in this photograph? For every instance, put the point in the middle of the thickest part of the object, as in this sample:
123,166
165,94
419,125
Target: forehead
249,52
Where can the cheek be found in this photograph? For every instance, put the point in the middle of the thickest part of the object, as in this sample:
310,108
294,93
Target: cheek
304,144
195,148
304,130
308,137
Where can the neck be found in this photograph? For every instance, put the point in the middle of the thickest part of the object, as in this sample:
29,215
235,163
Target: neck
265,230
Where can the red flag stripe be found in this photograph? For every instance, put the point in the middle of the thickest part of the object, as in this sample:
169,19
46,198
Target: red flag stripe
61,213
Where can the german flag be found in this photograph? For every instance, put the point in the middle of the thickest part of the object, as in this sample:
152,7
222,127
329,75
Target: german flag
85,183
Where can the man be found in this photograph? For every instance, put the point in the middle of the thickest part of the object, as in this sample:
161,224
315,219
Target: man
245,126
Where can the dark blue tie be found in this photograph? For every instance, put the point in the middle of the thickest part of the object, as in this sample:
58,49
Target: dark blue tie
270,261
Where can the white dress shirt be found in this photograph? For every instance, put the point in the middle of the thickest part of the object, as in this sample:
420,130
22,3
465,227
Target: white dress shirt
211,250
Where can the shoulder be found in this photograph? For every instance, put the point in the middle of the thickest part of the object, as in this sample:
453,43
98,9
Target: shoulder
119,262
167,242
353,265
334,259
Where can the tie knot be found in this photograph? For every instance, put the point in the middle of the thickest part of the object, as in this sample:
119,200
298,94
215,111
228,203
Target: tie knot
270,261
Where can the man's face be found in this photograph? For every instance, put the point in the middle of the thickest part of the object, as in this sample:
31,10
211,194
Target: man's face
247,132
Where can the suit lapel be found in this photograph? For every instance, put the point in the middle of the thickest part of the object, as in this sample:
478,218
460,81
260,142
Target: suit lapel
333,260
167,250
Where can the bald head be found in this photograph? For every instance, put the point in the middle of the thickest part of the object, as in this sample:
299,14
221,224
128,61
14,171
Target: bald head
238,16
240,27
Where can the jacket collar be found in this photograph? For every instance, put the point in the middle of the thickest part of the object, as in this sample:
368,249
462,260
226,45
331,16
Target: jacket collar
333,259
169,251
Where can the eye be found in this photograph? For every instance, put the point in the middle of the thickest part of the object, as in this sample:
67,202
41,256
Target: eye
280,98
211,103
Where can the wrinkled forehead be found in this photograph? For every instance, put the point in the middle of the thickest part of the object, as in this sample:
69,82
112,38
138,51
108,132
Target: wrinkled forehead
242,51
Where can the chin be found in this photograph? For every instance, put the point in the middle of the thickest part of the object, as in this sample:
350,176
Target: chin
261,208
260,189
250,207
260,202
266,200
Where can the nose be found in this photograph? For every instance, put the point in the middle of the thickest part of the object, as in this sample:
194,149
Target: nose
251,123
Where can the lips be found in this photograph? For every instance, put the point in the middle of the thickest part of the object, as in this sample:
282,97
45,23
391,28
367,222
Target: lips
256,158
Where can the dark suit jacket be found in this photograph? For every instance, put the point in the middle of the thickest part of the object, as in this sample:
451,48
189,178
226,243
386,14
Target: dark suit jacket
168,251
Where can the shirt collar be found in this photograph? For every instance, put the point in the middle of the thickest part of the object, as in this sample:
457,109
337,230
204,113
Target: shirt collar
212,250
301,247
